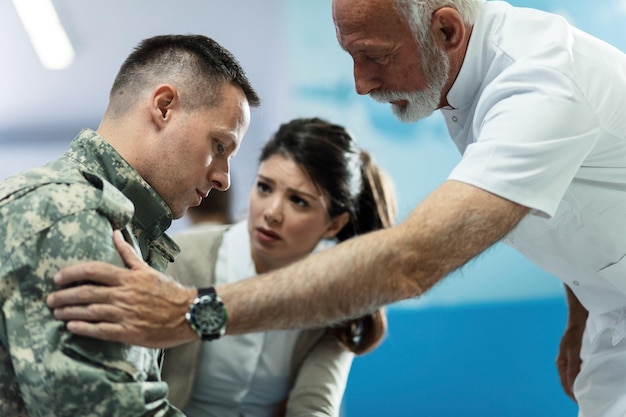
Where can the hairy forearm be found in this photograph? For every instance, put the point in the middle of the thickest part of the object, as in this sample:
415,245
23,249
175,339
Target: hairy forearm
454,224
323,288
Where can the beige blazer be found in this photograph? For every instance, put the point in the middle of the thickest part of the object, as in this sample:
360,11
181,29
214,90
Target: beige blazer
320,365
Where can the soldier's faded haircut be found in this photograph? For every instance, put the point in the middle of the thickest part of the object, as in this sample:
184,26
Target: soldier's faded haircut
196,64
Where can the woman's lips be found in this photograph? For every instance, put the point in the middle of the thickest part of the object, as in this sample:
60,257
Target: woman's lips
267,235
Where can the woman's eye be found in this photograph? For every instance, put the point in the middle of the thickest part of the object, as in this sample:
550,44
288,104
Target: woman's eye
299,201
262,187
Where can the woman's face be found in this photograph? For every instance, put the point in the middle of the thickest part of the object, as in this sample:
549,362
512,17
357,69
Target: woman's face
287,215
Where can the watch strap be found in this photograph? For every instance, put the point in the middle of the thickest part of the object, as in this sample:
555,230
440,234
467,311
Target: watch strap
206,291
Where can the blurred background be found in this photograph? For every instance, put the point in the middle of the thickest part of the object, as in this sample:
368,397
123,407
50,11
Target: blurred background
482,343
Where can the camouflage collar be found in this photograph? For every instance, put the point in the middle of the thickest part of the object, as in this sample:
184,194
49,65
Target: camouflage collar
95,155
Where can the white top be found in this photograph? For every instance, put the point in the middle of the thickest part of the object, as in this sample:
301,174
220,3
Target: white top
539,113
242,375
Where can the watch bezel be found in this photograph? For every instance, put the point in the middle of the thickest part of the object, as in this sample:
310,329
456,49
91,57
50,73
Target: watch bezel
207,315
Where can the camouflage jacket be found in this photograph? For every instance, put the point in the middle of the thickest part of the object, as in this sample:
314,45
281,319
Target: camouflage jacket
50,217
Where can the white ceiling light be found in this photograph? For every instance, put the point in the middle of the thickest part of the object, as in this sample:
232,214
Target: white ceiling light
45,32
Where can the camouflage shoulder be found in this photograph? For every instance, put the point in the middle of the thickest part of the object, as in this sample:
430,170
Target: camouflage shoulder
113,203
38,198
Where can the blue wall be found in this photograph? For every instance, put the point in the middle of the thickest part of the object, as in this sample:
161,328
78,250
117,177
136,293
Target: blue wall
472,360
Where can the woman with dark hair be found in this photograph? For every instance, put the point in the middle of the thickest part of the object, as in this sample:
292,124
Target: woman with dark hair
313,186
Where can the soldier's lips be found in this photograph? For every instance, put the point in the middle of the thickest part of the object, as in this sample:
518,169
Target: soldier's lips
201,195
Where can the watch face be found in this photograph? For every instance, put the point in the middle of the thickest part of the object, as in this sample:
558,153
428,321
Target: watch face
208,315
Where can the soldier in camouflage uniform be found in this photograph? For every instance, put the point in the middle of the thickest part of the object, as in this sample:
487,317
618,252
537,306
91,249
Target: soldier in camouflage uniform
185,91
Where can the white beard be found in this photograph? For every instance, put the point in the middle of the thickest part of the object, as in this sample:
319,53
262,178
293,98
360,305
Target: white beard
422,103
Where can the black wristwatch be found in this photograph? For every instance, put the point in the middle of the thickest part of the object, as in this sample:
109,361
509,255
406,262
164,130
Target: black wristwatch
207,314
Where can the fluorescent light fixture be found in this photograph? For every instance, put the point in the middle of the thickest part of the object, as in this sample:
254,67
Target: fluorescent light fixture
46,33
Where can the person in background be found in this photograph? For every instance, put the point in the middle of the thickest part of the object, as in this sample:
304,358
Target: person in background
178,109
214,209
313,186
536,108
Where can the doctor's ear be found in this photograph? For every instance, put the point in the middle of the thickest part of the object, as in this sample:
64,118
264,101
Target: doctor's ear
449,29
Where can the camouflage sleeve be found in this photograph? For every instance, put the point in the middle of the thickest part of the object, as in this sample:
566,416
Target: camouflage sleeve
45,370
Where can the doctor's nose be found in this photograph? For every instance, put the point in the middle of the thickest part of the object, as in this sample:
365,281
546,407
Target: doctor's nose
365,80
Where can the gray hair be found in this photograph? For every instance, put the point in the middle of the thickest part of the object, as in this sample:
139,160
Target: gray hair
417,13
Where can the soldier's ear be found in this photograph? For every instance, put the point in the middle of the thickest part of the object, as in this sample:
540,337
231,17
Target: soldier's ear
164,99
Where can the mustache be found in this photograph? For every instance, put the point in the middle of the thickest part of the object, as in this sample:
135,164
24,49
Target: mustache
386,96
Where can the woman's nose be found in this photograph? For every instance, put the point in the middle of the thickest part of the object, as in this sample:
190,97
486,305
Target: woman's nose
273,214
